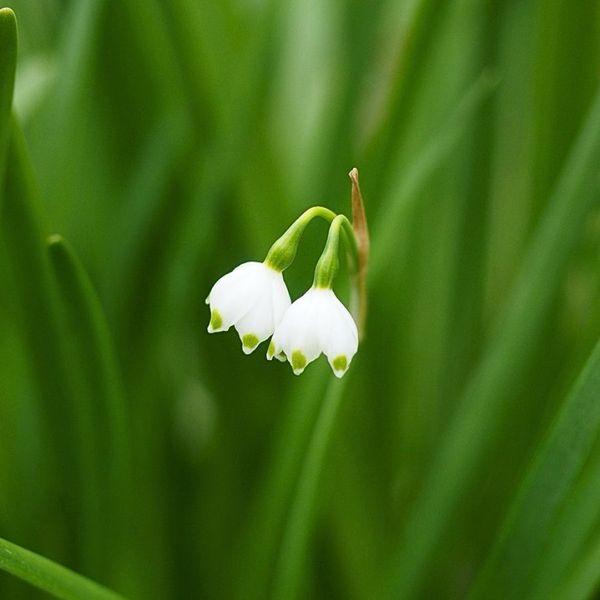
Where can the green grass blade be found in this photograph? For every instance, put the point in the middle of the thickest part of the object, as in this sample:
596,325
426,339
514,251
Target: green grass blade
473,430
299,523
8,61
261,540
23,234
139,221
46,575
548,482
404,190
82,25
149,27
102,393
424,22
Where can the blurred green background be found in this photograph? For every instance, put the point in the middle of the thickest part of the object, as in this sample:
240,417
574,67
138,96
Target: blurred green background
169,142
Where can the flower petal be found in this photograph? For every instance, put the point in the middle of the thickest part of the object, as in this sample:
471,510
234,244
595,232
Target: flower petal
257,324
298,333
280,299
343,340
232,296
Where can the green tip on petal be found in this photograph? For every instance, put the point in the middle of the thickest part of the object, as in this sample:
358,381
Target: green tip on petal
216,321
298,362
249,342
271,353
340,363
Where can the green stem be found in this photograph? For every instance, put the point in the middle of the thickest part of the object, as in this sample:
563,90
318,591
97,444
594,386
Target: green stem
317,211
328,264
49,576
283,251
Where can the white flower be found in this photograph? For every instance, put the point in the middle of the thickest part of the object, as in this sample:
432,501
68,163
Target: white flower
316,323
254,298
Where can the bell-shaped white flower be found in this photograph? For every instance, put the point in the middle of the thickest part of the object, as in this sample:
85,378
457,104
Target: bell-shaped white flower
253,297
316,323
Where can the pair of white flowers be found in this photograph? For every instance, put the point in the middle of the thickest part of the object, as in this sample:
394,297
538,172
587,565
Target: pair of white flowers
254,299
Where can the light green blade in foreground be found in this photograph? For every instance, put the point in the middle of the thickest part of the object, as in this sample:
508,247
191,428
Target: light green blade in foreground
49,576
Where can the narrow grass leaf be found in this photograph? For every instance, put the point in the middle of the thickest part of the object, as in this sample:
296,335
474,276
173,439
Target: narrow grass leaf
81,29
404,189
103,395
23,234
8,61
49,576
419,34
152,34
263,535
299,523
140,218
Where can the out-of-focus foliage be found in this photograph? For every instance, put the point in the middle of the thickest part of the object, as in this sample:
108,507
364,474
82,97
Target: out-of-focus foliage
169,142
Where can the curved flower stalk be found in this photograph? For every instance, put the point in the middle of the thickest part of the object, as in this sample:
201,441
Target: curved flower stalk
318,323
254,298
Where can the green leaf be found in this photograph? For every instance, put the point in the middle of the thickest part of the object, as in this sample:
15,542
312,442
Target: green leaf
549,480
102,405
8,61
424,22
261,540
23,234
405,188
46,575
475,424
